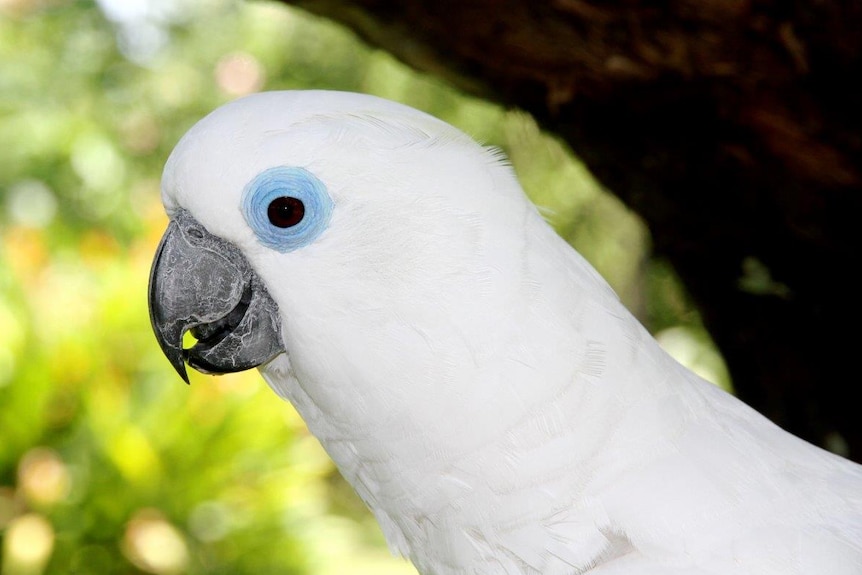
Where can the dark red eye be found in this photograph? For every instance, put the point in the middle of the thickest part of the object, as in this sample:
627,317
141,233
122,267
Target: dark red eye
285,212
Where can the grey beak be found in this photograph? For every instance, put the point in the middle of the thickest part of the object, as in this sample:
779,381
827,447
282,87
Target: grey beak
204,284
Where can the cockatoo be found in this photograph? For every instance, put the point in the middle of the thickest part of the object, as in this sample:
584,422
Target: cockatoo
472,376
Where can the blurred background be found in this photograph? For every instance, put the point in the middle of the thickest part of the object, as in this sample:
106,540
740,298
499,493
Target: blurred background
108,463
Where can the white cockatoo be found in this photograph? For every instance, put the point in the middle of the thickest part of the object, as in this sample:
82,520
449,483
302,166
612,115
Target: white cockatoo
472,376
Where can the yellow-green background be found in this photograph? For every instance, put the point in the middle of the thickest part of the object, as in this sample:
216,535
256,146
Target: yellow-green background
108,463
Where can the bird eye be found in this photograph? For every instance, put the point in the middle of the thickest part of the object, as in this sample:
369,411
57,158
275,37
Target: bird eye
286,207
285,212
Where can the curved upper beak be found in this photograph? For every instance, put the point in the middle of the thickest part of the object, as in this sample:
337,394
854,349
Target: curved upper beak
203,284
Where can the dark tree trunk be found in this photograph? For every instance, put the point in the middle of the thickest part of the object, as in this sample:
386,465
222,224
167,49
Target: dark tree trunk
731,126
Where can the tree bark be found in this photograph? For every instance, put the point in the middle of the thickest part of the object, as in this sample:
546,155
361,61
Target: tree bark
731,126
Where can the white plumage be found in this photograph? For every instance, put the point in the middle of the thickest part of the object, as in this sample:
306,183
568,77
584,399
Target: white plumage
479,384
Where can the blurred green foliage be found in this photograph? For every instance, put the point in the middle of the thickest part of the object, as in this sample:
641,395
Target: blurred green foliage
107,463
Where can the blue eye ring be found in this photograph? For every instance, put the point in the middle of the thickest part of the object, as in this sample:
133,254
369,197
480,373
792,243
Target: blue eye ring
287,207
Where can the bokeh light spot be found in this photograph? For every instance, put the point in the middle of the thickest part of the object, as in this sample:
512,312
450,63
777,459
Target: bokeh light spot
210,521
43,477
27,545
239,74
153,545
31,203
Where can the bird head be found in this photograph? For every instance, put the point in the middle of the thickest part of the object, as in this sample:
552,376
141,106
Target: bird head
361,237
